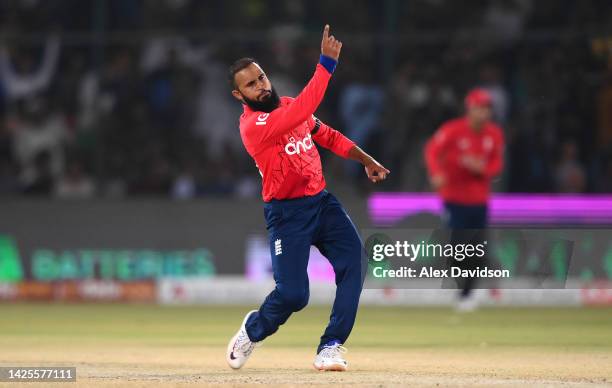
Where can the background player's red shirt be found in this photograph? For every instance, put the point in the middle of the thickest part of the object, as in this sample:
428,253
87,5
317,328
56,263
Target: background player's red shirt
454,140
282,145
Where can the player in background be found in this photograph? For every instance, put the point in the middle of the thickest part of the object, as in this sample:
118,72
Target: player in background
281,134
462,158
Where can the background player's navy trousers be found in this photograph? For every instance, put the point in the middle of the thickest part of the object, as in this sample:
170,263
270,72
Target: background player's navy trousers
466,216
468,226
294,225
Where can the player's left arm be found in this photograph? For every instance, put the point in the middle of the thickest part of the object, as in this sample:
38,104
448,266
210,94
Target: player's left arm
329,138
495,163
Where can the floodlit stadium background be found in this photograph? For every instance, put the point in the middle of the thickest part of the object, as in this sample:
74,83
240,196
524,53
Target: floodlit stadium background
123,178
121,159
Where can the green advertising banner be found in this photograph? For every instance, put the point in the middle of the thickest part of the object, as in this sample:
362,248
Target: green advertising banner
10,262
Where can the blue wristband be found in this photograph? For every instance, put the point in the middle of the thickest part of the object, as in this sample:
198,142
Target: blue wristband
328,63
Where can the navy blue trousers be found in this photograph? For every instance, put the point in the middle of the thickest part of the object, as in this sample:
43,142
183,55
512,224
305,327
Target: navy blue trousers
294,225
465,216
468,224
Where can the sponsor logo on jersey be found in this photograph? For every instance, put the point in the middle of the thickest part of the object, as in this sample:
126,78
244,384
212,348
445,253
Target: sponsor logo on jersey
487,143
464,143
295,147
261,119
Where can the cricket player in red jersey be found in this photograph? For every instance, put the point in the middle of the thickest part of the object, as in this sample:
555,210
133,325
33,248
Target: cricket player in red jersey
281,134
462,158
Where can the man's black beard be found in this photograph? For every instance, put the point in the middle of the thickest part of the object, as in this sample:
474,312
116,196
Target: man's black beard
267,105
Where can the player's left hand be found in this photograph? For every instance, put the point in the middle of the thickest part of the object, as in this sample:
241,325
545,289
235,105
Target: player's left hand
376,172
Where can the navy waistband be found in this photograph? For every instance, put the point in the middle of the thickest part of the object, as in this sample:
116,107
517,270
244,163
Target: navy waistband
296,201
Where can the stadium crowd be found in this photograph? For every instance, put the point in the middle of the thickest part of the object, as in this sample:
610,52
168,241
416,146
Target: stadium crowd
115,98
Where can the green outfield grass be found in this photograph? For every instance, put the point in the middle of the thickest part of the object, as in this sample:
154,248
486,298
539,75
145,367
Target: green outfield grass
562,328
149,346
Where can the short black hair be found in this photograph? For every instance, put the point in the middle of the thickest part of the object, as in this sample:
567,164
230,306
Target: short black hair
237,66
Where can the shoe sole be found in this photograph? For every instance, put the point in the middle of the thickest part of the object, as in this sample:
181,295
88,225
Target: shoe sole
331,368
230,345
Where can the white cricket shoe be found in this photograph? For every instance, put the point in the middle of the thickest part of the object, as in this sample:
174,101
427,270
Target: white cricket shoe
240,346
467,304
330,358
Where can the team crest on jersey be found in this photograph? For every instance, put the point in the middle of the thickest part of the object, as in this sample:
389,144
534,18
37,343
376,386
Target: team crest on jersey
295,147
